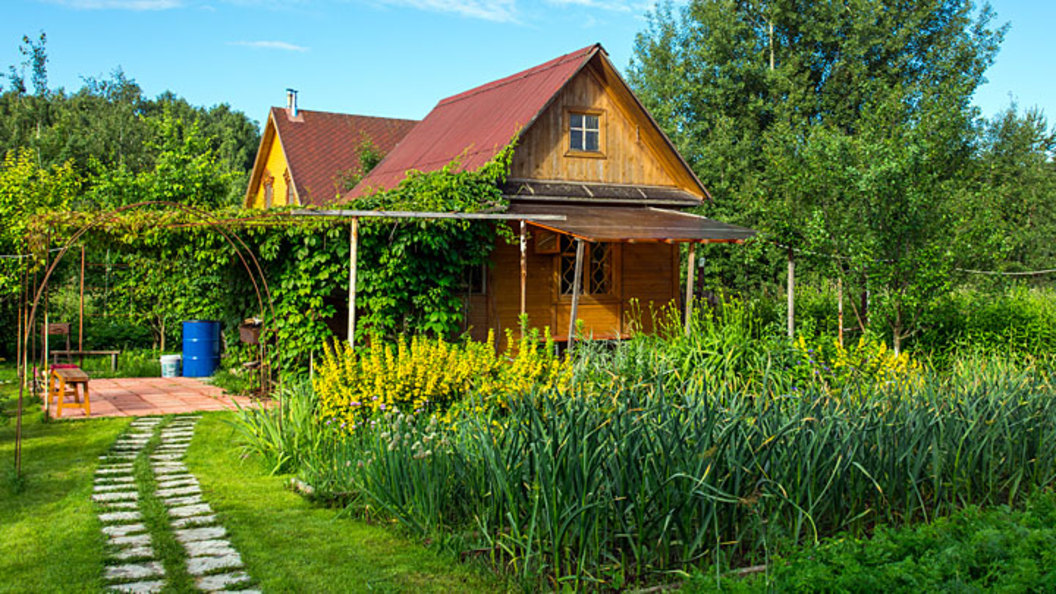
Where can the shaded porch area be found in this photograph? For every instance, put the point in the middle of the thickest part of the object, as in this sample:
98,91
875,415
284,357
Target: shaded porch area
142,396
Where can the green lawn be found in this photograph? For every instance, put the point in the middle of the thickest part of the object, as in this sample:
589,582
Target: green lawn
50,538
291,545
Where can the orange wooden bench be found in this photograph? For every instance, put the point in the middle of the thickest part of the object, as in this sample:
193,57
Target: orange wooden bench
66,381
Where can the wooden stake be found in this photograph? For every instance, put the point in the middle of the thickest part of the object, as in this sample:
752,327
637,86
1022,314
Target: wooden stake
524,268
839,306
575,293
80,321
791,294
691,264
353,247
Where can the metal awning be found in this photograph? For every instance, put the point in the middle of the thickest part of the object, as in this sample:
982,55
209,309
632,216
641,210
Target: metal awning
627,224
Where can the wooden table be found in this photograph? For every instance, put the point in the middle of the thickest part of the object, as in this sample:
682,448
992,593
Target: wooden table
81,354
66,381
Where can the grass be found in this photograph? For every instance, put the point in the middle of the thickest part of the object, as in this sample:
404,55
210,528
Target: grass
291,545
50,538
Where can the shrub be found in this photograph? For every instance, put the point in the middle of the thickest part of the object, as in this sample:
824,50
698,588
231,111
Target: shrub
431,374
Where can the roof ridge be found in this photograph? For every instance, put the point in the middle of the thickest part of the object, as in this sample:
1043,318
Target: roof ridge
341,113
506,80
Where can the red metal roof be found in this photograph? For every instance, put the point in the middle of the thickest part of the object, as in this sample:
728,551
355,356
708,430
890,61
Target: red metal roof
476,124
320,146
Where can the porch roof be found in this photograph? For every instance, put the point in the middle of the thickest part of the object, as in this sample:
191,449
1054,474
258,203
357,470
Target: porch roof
628,224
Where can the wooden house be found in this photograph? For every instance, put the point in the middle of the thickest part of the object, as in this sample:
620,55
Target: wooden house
589,153
306,158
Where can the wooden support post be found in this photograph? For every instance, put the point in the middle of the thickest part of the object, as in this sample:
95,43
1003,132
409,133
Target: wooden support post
691,264
575,293
19,359
839,307
80,320
353,247
524,268
791,294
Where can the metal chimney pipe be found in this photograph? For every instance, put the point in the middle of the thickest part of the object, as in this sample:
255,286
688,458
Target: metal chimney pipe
291,102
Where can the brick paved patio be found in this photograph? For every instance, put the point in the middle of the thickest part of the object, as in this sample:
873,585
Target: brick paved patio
142,396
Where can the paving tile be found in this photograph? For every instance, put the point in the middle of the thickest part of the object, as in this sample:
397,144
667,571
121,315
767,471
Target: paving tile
118,517
210,548
135,571
203,565
221,581
176,491
183,501
190,510
197,534
174,480
134,540
200,520
123,529
119,505
107,487
141,587
116,496
130,553
108,480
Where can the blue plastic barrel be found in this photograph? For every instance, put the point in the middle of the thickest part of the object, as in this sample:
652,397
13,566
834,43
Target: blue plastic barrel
201,347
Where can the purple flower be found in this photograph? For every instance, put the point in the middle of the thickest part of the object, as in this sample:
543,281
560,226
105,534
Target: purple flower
357,403
381,406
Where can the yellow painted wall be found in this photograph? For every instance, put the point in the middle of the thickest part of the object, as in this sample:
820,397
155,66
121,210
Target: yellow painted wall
275,166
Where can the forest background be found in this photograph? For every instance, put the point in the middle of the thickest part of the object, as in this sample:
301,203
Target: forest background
847,137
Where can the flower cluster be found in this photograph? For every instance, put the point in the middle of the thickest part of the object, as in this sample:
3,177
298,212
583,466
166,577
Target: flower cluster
833,366
432,375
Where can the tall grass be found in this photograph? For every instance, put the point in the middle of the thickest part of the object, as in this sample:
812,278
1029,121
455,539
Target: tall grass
672,452
603,490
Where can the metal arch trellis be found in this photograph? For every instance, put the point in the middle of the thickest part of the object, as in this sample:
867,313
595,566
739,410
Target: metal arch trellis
210,220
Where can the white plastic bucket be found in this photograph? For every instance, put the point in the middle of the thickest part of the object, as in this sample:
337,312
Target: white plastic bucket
170,366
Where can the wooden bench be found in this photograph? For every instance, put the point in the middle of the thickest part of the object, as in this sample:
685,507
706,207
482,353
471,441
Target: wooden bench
65,381
81,354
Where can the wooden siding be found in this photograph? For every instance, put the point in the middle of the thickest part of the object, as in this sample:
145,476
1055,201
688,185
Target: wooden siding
646,279
630,147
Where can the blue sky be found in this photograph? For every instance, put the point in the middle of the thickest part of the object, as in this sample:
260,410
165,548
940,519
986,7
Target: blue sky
393,58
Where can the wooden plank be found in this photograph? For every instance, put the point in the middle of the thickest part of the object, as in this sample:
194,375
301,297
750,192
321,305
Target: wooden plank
353,247
791,295
691,264
575,293
524,268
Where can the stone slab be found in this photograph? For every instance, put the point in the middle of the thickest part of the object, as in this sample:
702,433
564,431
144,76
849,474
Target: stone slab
183,501
182,490
123,529
197,534
165,457
142,587
171,482
221,581
130,553
116,496
134,571
133,540
118,517
210,548
108,487
114,480
125,505
201,520
202,565
186,511
115,470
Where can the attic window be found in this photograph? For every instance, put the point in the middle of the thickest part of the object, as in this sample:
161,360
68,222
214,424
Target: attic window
584,132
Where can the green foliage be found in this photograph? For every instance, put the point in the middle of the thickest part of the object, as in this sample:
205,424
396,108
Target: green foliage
861,148
974,550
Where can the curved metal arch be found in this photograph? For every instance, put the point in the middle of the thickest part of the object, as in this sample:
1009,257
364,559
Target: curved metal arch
213,222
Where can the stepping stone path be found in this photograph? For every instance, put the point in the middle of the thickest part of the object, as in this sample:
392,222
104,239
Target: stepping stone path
212,560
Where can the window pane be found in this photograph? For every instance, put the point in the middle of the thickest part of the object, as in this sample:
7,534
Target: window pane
568,264
591,122
592,141
600,269
576,140
577,120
